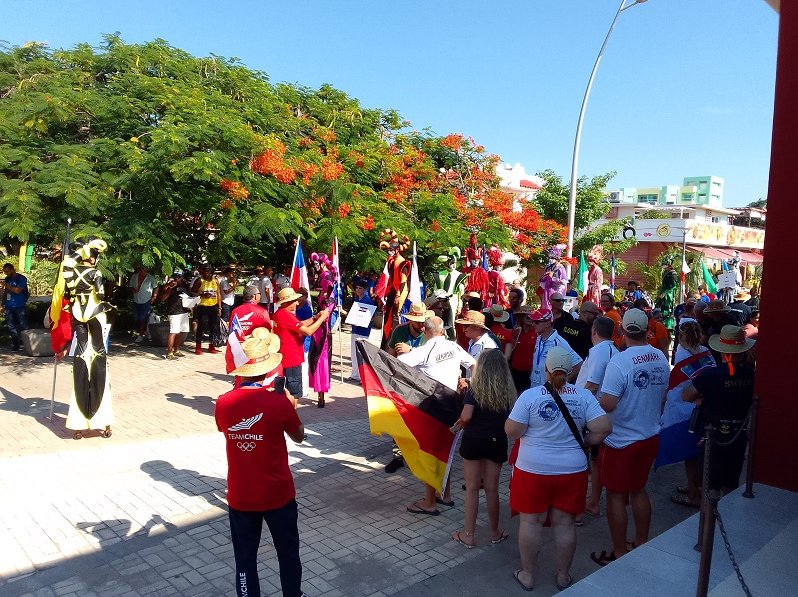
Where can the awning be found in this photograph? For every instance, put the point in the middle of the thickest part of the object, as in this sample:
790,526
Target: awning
727,253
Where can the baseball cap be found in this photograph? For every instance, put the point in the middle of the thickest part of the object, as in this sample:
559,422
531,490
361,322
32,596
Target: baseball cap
541,315
178,273
634,321
558,359
556,296
250,292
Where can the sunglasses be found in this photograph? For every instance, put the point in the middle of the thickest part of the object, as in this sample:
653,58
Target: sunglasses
557,300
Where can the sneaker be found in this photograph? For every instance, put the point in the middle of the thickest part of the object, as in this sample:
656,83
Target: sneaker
394,465
212,350
170,356
178,353
139,339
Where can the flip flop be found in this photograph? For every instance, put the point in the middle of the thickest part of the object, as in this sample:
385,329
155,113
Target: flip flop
681,489
518,580
566,585
683,500
502,537
456,537
603,558
415,509
441,501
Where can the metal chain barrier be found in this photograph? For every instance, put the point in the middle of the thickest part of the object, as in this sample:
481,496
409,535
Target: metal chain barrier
733,560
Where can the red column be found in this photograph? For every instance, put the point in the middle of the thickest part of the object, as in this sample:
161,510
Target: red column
775,458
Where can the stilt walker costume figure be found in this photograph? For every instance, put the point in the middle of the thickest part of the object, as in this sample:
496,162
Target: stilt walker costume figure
398,283
90,404
595,277
452,282
497,289
666,298
555,278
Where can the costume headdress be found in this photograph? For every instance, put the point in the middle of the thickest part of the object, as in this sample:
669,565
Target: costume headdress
556,251
596,254
389,239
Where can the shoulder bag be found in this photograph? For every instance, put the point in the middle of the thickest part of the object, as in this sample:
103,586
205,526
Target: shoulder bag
566,414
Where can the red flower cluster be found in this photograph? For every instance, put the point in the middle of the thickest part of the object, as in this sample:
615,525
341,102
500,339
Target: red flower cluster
331,169
343,210
368,222
453,141
272,161
235,190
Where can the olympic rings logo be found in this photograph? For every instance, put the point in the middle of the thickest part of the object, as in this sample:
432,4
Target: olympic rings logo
246,446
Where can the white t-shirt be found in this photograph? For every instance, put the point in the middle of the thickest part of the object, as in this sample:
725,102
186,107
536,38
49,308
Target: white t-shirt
439,359
226,287
638,377
595,364
548,447
480,344
144,293
264,286
538,375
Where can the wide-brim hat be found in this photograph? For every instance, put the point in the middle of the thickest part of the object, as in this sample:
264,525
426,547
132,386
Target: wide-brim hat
716,307
499,314
263,351
418,313
473,318
287,295
743,295
731,340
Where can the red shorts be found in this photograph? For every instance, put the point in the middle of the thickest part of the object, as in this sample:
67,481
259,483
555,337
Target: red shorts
531,493
626,469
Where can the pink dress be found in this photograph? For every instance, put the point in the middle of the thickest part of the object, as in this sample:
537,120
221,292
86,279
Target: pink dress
595,280
320,357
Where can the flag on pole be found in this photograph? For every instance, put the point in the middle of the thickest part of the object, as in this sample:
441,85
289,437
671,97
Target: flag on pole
60,320
709,281
414,409
414,293
581,275
484,258
336,293
299,271
612,272
683,275
234,355
382,283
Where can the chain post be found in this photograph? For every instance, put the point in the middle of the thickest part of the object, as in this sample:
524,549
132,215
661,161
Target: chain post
707,529
749,466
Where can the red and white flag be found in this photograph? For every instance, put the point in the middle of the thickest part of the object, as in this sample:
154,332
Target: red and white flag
299,271
234,355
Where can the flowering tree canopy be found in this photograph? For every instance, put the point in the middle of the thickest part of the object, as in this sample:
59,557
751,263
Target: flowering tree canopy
172,158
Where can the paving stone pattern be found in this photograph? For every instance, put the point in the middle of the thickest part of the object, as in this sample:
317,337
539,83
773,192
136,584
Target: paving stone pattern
144,512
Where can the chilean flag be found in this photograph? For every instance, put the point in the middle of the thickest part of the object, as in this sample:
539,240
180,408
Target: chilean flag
336,294
234,356
299,273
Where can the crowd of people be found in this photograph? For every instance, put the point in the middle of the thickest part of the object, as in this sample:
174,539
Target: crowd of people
578,401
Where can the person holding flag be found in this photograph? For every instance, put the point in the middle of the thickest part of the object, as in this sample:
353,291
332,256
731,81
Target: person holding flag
244,319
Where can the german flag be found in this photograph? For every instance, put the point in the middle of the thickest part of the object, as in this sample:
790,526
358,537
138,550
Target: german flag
415,410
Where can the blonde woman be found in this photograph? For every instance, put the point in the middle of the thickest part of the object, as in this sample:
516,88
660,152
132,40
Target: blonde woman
484,444
550,475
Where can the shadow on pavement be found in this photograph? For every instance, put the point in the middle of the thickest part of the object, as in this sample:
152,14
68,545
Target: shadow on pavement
38,409
205,405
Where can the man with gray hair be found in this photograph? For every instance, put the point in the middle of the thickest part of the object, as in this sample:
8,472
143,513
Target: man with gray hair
440,359
250,314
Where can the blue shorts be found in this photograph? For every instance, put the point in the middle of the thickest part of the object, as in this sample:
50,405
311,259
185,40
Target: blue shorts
141,311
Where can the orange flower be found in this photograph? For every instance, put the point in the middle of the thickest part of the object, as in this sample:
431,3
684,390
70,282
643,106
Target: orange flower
453,141
435,226
343,210
330,169
368,223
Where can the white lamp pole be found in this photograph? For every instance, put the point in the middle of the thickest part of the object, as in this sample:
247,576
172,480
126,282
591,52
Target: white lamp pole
625,4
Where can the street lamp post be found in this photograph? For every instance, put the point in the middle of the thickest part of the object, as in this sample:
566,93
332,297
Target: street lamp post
625,4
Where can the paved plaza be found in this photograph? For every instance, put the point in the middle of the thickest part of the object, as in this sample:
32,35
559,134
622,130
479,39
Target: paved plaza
144,512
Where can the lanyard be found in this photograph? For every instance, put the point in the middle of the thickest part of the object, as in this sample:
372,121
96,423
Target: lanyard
414,342
538,352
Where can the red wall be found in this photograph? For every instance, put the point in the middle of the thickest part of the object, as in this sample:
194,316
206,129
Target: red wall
775,458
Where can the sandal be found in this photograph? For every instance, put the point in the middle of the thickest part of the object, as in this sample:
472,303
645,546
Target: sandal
516,576
77,435
563,586
502,536
603,558
416,509
683,500
443,502
106,433
457,537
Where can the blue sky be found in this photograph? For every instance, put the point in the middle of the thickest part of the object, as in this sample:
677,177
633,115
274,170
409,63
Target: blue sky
685,87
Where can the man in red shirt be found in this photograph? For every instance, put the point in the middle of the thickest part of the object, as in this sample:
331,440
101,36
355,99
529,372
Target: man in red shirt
291,332
253,419
250,314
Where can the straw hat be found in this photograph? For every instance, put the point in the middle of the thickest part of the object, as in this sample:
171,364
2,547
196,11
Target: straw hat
287,295
263,351
418,312
731,340
473,318
743,295
499,314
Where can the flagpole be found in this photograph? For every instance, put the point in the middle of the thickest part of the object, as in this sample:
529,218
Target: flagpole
64,252
339,303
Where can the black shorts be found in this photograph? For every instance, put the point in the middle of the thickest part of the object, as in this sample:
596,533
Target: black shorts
489,448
